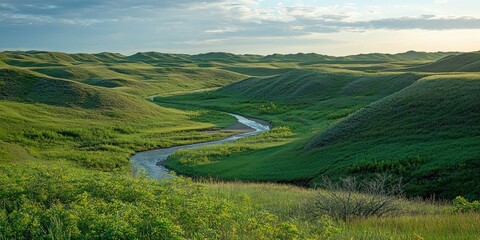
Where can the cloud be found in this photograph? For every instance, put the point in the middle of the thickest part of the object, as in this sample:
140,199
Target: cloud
222,30
155,24
426,22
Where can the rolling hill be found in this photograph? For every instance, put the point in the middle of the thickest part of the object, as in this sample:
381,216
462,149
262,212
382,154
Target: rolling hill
467,62
416,126
362,58
70,123
308,86
427,133
22,86
344,122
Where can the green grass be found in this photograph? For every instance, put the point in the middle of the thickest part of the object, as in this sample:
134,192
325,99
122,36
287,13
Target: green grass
421,128
462,226
467,62
103,139
70,122
418,219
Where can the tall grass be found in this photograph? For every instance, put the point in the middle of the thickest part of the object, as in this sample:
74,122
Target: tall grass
448,226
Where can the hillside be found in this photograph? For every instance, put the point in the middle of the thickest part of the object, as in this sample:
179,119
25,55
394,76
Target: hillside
142,73
212,59
308,86
299,57
366,58
22,86
427,133
160,58
399,57
467,62
354,124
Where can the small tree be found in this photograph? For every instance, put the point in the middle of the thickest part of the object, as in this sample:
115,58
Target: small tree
352,198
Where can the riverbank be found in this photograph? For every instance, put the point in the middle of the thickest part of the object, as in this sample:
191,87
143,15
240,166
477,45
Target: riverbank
152,161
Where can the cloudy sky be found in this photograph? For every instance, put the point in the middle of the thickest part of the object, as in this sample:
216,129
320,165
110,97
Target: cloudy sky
244,26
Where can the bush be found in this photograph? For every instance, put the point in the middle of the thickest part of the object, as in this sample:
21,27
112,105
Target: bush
462,205
350,198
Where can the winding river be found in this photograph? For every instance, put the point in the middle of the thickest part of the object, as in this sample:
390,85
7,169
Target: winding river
152,161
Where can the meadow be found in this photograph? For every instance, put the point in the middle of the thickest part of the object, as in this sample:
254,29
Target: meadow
70,122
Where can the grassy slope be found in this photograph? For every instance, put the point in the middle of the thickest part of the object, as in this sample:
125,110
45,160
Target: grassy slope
427,133
71,113
422,130
467,62
140,74
366,58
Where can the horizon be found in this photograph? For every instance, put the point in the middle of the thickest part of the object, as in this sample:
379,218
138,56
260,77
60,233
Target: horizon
240,54
334,28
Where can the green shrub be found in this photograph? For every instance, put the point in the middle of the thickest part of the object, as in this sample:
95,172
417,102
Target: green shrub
462,205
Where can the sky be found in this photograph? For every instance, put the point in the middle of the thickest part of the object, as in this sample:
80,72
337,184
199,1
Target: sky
243,27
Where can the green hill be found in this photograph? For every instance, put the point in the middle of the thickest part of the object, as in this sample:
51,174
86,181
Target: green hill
142,73
24,86
110,57
427,133
467,62
19,85
363,58
419,127
299,57
407,56
308,86
160,58
222,57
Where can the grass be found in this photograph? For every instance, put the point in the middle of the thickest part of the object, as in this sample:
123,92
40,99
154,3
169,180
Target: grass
70,122
467,62
462,226
419,127
419,219
103,139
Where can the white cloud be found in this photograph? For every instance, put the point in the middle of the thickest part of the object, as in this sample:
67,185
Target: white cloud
173,24
222,30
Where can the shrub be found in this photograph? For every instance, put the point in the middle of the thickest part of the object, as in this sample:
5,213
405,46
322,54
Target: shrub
351,198
462,205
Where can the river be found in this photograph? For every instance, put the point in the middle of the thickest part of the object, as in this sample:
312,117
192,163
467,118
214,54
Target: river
152,161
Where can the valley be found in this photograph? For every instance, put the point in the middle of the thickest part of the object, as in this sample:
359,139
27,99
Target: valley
72,123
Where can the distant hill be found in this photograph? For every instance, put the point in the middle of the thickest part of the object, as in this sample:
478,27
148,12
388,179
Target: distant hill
223,57
407,56
141,73
299,57
362,58
466,62
43,58
155,57
309,85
